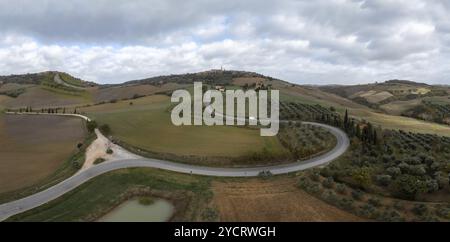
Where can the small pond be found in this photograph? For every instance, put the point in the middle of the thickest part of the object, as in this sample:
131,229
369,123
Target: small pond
133,211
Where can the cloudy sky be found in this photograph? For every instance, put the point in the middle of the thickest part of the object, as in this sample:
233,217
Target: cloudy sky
315,42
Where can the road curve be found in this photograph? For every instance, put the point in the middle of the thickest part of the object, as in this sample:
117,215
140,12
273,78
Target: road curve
40,198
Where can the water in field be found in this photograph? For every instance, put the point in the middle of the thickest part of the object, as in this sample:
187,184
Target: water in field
133,211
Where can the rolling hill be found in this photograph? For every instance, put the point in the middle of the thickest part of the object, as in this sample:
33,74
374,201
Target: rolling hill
400,97
394,104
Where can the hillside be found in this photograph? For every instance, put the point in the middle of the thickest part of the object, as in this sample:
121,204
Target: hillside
218,77
377,94
392,104
400,97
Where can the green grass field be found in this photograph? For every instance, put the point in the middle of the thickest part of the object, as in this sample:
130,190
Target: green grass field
147,124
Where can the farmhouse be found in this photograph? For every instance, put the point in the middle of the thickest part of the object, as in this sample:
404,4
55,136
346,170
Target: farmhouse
220,88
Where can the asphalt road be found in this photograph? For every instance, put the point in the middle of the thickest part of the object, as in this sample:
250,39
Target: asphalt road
40,198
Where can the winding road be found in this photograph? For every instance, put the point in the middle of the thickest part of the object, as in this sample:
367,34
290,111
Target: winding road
18,206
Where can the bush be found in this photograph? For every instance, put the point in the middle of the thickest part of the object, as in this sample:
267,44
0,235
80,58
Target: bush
346,203
109,151
91,126
328,183
105,129
420,209
210,214
77,164
146,201
383,180
341,188
391,216
443,212
315,176
362,177
331,197
393,171
374,202
98,161
265,174
368,211
408,186
357,194
432,185
398,205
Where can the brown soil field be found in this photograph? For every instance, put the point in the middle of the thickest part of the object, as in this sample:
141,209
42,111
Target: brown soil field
33,147
274,199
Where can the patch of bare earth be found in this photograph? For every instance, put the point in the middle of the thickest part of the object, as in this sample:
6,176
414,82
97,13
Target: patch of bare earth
275,199
98,149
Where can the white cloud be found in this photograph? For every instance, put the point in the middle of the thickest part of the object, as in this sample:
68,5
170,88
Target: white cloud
341,41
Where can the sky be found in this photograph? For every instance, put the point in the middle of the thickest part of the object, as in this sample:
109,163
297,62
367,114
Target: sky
300,41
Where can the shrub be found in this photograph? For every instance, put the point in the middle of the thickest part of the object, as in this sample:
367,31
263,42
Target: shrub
109,151
374,202
443,212
408,186
362,177
357,194
98,161
91,126
314,188
346,203
210,214
105,129
432,185
328,182
315,176
383,180
146,201
77,164
341,188
368,211
331,197
420,209
393,171
265,174
391,216
398,205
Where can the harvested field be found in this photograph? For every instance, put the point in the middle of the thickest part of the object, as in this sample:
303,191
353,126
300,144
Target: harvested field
274,199
33,147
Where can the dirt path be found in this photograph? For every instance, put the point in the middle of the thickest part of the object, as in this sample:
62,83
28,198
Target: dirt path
98,149
275,199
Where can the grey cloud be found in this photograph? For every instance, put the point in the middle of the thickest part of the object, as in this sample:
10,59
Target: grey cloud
307,41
